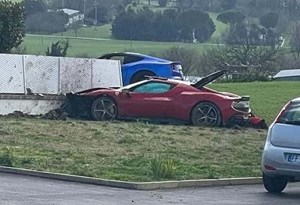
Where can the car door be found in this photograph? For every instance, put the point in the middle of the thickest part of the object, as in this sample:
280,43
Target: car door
149,100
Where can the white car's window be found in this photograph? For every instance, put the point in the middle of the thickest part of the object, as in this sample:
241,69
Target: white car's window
291,115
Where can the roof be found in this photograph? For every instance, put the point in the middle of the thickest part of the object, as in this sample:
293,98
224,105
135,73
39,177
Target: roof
288,73
296,100
70,12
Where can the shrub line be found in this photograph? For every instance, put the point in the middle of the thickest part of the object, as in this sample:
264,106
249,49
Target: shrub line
135,185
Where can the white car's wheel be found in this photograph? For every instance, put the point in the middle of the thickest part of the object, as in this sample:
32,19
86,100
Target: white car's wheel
274,184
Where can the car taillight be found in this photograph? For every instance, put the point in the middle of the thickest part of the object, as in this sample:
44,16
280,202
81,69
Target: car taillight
282,112
242,104
267,167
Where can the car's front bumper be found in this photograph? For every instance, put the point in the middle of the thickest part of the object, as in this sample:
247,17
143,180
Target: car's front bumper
246,120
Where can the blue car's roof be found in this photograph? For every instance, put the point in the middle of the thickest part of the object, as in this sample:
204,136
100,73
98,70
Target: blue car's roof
145,57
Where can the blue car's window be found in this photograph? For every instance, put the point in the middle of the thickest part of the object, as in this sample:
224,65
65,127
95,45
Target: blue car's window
120,58
132,59
154,87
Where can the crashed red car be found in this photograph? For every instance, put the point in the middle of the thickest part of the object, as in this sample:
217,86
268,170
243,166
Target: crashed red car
164,99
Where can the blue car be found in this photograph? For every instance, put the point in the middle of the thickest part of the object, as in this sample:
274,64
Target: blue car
136,67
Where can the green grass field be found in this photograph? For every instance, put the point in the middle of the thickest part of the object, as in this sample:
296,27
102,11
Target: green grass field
267,98
93,48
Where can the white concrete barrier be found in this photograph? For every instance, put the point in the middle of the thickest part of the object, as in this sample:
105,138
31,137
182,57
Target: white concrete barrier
29,104
22,75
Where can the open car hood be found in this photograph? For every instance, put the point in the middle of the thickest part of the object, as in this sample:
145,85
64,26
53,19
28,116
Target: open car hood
208,79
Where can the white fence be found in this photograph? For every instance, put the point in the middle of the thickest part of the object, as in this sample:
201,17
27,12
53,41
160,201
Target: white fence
56,75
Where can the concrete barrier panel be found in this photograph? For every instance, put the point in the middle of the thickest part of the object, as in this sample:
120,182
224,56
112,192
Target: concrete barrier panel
106,73
41,74
75,74
11,78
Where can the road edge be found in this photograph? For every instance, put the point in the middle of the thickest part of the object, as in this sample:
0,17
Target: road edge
135,185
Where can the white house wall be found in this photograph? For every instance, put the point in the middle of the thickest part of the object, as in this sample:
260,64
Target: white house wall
12,75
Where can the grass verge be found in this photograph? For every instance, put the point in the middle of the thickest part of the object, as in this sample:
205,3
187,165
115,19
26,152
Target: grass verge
129,151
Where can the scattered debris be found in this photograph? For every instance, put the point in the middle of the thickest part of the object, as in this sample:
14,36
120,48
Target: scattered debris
57,114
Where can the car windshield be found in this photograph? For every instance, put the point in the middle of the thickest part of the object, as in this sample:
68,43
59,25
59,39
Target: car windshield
291,115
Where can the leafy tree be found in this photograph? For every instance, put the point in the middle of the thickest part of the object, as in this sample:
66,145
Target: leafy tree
295,40
123,26
228,4
11,25
231,17
269,20
76,26
239,35
34,6
47,22
58,48
254,34
162,3
196,22
102,15
165,26
170,25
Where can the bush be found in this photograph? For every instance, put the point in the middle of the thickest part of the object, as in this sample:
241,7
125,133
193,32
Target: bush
6,158
59,48
189,59
162,168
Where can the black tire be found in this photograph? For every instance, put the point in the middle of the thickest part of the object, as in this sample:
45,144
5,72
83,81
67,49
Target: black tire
274,184
139,76
206,114
104,108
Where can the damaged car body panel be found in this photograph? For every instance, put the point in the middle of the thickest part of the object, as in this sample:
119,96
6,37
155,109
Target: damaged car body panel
158,98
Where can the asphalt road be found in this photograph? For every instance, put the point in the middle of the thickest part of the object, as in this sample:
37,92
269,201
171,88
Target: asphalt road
15,189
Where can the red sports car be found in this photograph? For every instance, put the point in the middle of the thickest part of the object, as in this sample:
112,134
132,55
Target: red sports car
163,99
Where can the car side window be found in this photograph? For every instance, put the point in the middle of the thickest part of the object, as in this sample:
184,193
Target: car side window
153,87
131,59
120,58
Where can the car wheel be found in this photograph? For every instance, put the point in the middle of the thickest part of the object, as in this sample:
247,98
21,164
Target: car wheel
104,108
140,76
206,114
274,184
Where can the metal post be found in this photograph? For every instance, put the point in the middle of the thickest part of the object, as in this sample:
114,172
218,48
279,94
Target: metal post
96,13
84,8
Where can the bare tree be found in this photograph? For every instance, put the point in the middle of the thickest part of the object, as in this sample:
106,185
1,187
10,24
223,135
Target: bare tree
246,58
295,40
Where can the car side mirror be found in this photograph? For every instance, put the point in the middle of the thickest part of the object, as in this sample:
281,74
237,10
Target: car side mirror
126,91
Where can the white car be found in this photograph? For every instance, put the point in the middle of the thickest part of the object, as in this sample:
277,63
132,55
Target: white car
281,155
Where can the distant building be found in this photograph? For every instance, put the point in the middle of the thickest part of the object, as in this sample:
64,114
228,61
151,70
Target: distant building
74,15
288,75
